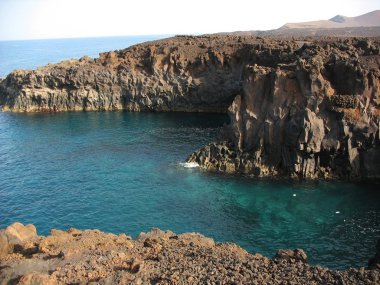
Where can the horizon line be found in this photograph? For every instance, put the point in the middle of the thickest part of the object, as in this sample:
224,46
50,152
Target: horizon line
92,37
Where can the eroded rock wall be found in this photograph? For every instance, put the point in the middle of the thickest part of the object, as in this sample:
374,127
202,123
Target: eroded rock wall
176,74
316,117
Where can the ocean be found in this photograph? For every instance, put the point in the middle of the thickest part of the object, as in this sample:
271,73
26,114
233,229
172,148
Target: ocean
29,54
123,172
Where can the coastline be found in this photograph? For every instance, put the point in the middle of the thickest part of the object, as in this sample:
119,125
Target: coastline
301,111
244,157
292,116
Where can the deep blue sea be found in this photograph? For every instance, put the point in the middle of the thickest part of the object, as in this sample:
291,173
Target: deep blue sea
33,53
121,172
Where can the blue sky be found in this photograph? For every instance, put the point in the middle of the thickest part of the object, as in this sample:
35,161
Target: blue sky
41,19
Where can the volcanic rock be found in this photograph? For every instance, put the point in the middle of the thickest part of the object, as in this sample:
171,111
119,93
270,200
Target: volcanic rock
162,257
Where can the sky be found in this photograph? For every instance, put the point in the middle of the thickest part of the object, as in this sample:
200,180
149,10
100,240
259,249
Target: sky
44,19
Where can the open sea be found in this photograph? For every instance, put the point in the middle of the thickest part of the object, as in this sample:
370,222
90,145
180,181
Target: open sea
122,172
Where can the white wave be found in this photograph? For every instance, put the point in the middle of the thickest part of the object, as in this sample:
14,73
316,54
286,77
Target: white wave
189,164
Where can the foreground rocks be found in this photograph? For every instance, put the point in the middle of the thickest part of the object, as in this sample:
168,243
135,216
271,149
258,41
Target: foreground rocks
157,257
298,109
15,235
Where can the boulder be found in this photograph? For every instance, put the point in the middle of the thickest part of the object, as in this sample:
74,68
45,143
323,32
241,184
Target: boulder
292,255
17,233
155,234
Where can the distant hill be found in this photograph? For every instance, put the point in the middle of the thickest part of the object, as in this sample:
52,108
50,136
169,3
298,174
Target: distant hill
371,19
367,25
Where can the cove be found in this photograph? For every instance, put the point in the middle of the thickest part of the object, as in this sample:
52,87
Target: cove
121,172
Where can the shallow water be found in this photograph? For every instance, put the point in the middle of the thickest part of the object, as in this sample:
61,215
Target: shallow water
121,172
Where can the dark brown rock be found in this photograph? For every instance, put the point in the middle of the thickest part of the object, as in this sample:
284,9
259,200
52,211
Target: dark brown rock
312,119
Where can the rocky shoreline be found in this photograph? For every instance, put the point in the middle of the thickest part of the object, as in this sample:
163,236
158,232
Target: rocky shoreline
156,257
297,109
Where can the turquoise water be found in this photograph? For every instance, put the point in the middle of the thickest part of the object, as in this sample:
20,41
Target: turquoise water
33,53
120,172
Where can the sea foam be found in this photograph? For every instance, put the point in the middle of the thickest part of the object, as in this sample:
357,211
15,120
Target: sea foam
189,164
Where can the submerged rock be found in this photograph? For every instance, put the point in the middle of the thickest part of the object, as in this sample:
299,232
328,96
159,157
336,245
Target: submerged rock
162,257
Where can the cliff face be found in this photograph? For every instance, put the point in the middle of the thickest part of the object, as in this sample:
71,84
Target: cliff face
297,108
316,117
177,74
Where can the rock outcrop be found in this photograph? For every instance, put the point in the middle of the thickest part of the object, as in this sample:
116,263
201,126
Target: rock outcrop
15,235
177,74
159,257
317,117
299,109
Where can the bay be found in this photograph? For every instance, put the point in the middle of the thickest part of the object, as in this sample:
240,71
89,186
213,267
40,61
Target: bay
121,172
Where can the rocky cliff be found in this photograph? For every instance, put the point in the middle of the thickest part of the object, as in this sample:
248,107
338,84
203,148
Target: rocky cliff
156,257
316,116
176,74
301,109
